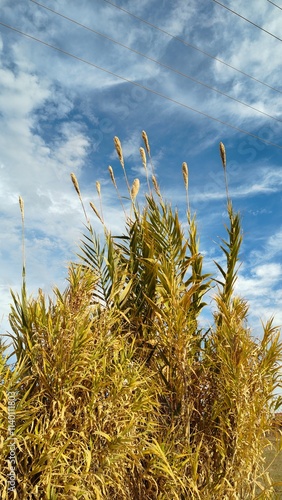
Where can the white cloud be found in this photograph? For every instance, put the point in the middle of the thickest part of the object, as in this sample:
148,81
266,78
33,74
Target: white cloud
51,103
274,244
260,281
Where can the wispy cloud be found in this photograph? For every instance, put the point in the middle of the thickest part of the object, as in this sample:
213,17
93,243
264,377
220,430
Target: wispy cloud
58,116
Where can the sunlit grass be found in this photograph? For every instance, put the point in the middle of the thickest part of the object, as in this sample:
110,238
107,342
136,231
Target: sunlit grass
120,393
273,461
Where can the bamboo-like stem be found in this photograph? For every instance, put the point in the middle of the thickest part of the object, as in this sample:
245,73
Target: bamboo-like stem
21,203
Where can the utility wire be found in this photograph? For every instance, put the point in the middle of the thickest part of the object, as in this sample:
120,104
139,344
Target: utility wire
157,62
248,20
190,45
155,92
275,5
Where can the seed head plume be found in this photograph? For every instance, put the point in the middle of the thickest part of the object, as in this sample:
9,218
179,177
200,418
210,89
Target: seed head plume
112,176
119,150
147,146
186,181
156,186
135,188
223,160
146,141
21,203
222,154
143,157
75,183
98,188
185,174
96,211
144,161
76,187
120,155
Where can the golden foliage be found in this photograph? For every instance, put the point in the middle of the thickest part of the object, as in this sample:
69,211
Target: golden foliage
120,393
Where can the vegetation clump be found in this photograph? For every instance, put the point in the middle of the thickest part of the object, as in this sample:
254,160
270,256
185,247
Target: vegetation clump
120,394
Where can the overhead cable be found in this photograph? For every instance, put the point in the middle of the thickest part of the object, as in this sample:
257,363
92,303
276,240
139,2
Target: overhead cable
166,66
248,20
275,5
155,92
184,42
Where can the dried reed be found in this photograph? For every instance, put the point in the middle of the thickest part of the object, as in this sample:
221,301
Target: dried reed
120,393
135,189
156,186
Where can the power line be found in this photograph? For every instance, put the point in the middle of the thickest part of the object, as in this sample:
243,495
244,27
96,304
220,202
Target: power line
155,92
275,5
157,62
248,20
190,45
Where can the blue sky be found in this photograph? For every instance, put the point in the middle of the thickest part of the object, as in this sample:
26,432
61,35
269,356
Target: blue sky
59,115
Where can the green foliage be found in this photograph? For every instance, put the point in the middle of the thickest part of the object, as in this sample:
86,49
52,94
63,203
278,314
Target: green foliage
120,393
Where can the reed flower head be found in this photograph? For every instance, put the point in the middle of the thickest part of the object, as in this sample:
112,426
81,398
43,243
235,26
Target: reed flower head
119,150
112,176
21,202
185,174
143,157
146,141
156,186
222,154
75,183
95,211
98,188
135,188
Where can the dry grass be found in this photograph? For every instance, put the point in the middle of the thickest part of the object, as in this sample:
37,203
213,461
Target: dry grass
120,394
273,461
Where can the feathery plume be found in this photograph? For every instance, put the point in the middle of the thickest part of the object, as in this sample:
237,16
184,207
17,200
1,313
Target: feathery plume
222,154
75,183
96,211
112,176
98,188
143,157
119,150
76,186
21,202
144,161
135,188
156,186
185,174
186,181
146,141
223,159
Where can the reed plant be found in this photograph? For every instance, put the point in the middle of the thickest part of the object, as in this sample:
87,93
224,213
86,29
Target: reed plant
121,394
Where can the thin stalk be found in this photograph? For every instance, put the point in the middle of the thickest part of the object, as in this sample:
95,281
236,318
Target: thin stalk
21,203
116,188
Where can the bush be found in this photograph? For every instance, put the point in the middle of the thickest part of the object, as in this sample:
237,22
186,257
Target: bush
120,392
